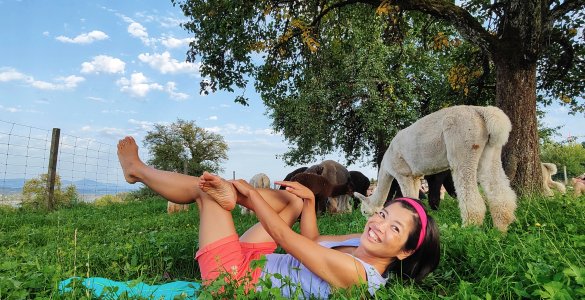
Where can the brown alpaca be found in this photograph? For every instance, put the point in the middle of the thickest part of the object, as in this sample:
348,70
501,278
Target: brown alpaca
322,189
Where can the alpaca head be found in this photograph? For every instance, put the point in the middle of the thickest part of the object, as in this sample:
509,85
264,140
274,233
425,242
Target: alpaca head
366,208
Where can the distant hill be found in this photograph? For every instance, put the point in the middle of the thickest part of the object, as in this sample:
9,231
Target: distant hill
83,186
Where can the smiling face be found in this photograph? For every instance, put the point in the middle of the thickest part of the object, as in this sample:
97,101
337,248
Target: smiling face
387,231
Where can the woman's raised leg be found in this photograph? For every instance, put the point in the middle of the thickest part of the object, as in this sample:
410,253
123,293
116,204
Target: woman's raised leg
215,221
175,187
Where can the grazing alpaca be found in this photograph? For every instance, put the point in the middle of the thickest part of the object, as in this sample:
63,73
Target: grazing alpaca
466,139
337,174
259,180
578,186
174,207
322,188
548,183
360,183
438,182
290,175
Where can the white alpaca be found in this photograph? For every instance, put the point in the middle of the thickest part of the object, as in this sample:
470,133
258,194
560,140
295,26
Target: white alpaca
259,180
578,186
466,139
548,170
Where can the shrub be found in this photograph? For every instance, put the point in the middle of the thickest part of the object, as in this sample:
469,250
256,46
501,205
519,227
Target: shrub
34,193
571,155
109,199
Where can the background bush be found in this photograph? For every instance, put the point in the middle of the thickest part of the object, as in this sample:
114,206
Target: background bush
571,155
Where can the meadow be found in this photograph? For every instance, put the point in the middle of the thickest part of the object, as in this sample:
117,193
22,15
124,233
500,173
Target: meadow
541,257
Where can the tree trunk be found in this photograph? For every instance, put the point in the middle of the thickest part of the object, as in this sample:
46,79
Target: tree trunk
516,96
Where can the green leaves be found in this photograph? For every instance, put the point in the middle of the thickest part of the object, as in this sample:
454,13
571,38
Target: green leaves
185,148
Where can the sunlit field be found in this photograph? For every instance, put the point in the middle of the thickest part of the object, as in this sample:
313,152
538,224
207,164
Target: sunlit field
542,256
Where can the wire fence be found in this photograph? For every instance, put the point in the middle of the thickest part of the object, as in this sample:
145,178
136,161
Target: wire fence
91,166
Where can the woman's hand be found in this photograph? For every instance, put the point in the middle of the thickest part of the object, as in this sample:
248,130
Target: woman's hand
242,187
297,189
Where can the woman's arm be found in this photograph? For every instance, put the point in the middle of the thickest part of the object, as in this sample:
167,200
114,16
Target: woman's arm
309,226
338,238
308,222
337,268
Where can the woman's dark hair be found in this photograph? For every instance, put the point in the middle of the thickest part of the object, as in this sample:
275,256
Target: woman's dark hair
426,258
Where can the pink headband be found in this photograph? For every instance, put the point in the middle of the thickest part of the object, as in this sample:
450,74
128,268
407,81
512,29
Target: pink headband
422,216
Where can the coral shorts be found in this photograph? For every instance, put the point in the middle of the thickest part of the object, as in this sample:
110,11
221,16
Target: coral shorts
229,255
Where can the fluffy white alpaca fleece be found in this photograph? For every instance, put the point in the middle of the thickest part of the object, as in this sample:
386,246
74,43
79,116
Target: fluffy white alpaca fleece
259,180
466,139
578,187
549,169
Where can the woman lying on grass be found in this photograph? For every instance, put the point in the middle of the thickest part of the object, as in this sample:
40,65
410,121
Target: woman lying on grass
401,238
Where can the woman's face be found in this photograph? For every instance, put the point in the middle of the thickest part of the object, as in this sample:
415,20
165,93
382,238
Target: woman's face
387,231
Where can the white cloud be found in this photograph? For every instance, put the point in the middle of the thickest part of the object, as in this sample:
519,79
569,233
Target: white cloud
104,131
137,30
212,118
9,109
84,38
165,64
172,42
42,101
46,33
97,99
239,130
171,90
10,75
265,131
103,63
118,111
138,85
61,83
143,125
169,22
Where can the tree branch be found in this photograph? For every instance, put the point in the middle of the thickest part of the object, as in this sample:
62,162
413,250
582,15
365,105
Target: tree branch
462,20
330,8
565,7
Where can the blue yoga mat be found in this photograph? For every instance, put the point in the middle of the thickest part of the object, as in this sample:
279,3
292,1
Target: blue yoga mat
103,287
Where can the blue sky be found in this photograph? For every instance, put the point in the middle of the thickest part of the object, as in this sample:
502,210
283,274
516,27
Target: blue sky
106,69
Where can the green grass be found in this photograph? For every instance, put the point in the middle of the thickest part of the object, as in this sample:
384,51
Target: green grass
542,256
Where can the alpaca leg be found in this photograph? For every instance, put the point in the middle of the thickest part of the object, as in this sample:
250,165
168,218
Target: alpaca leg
546,180
500,196
465,142
333,205
436,193
558,186
471,204
408,186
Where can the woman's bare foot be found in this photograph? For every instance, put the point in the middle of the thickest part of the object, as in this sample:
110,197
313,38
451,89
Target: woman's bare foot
128,157
220,190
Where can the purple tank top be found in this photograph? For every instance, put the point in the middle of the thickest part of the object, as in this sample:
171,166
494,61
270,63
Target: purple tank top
295,274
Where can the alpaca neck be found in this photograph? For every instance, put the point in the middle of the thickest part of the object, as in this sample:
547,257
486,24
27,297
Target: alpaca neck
380,193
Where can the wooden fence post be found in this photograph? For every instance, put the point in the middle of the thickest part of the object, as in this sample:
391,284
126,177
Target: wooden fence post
52,174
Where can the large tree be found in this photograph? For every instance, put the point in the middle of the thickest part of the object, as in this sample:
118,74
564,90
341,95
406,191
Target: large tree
184,147
520,38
